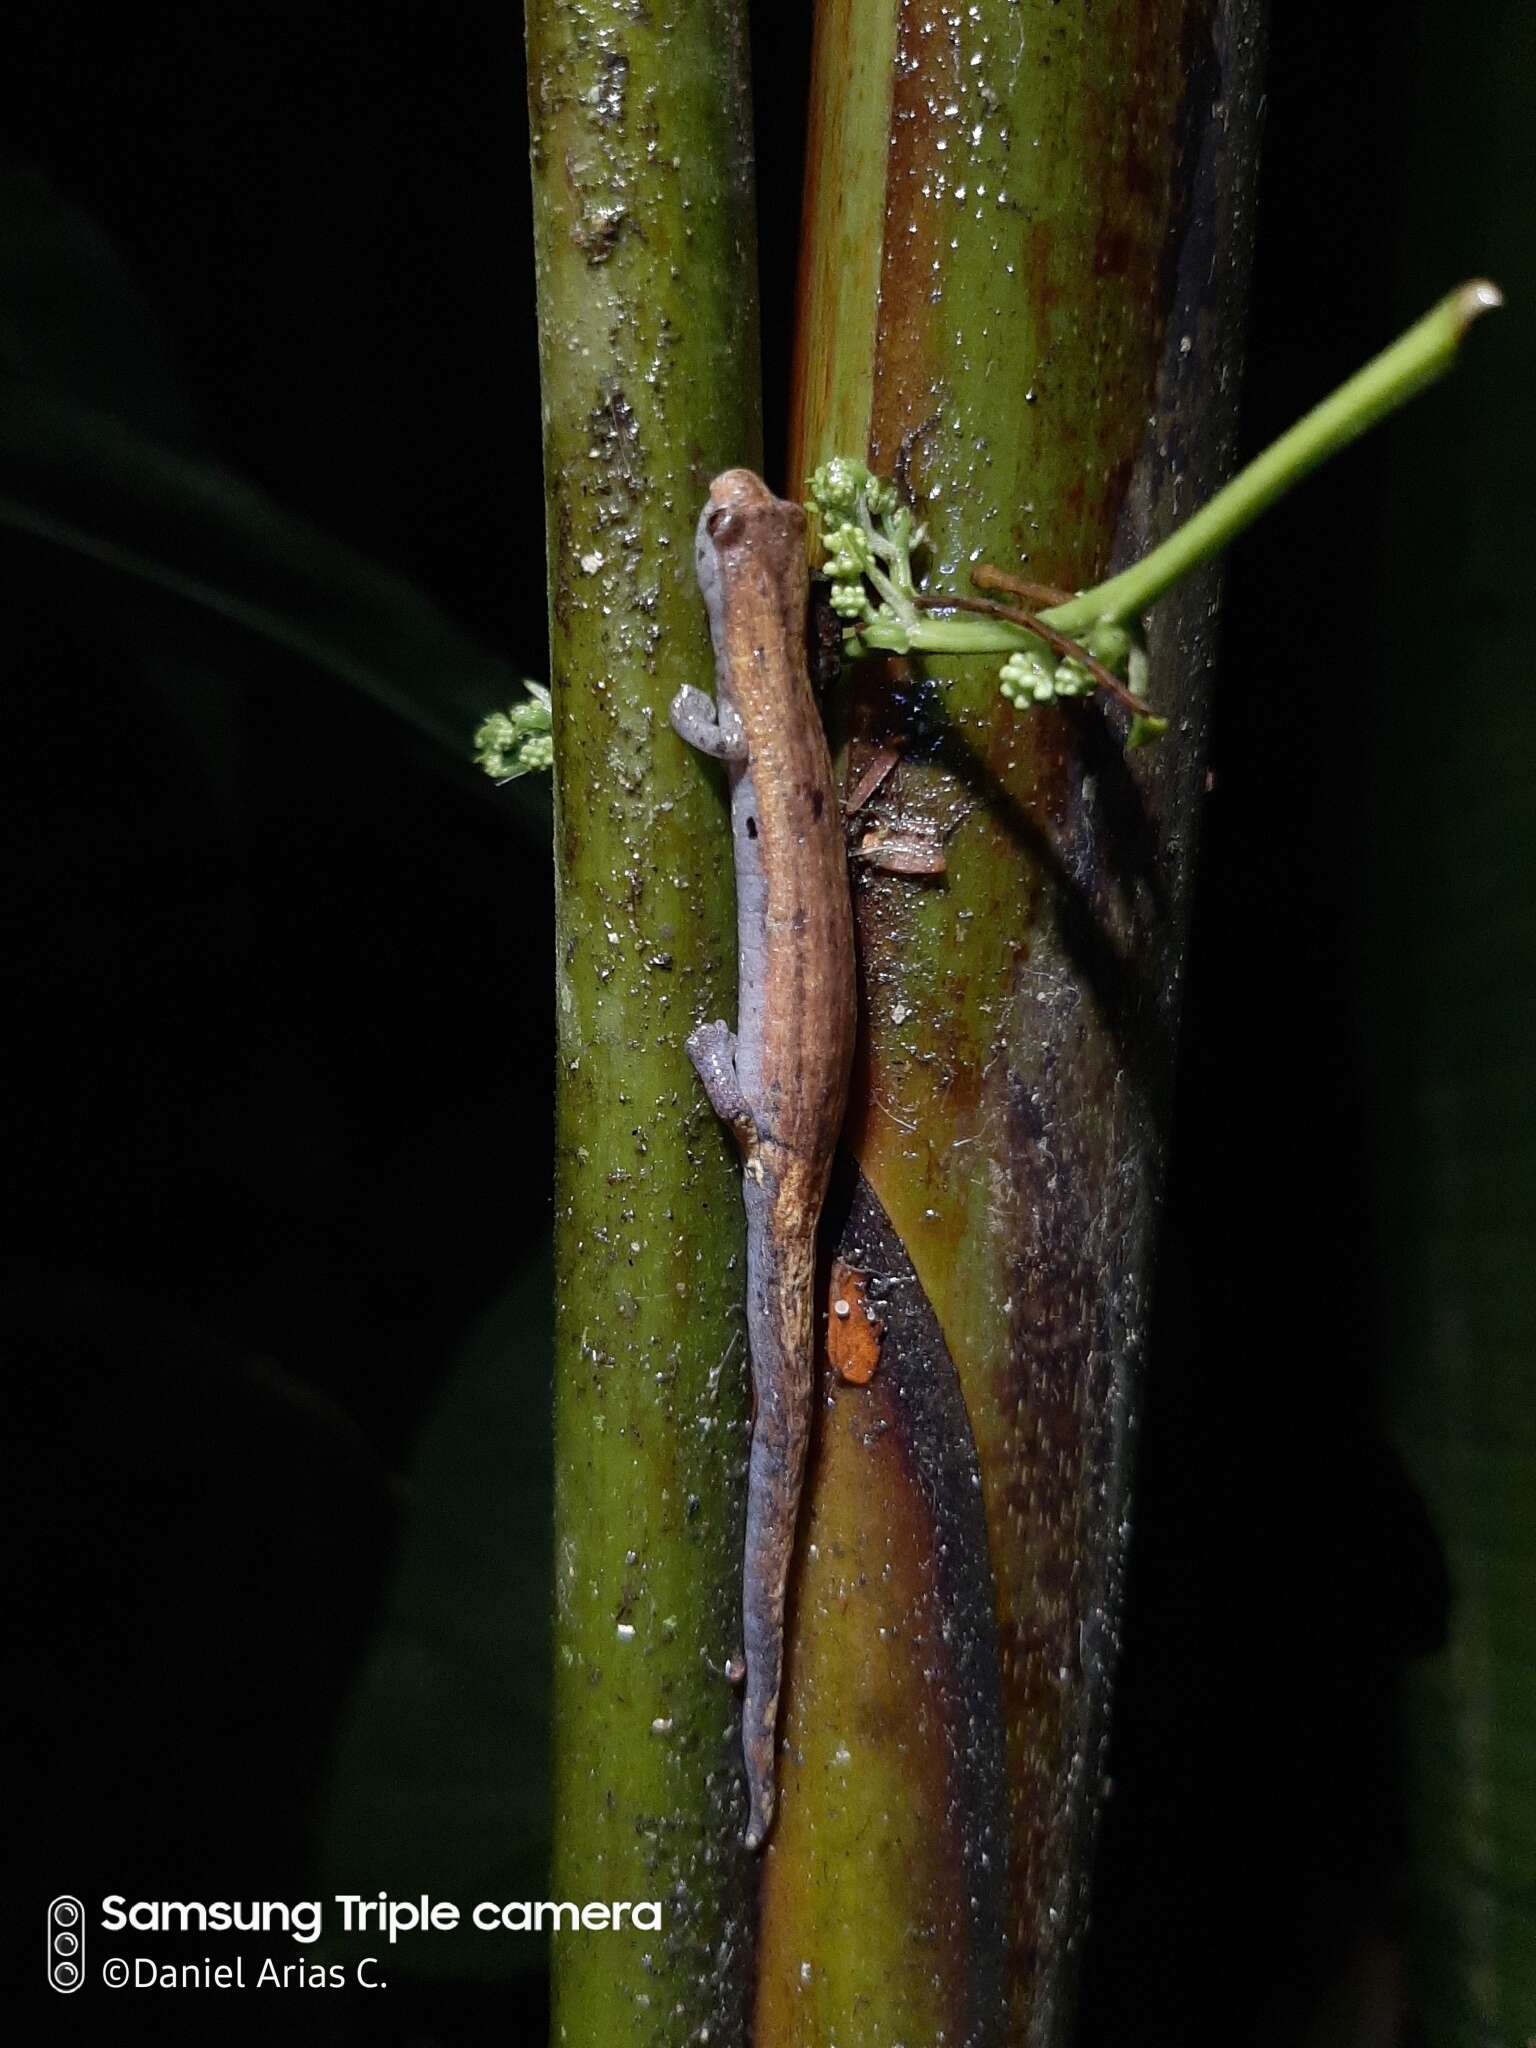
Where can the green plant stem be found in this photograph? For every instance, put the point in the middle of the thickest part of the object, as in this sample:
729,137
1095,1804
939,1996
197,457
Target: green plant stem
1389,380
641,133
943,636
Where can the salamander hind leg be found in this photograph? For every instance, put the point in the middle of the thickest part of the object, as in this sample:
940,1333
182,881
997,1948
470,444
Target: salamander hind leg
712,1048
695,719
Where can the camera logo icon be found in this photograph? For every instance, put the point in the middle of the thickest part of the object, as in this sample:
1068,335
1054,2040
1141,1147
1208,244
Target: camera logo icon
66,1943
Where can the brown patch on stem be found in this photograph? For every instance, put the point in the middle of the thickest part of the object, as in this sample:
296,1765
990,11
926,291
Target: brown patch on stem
854,1329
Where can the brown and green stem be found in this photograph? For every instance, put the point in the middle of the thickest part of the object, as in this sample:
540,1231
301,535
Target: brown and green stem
1049,201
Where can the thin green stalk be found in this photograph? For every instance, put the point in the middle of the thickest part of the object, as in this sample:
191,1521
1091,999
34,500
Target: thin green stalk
898,625
1389,380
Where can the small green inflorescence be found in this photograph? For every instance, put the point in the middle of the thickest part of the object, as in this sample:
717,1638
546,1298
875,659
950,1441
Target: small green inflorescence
1092,640
517,742
868,538
1077,644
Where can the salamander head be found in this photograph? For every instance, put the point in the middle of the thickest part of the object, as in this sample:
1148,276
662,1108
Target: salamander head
741,513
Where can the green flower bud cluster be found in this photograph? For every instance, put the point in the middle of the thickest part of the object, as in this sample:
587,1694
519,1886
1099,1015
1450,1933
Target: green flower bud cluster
1028,678
840,487
867,538
847,554
519,741
1036,676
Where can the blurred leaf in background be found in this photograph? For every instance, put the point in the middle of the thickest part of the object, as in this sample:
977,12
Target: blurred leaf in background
93,457
441,1782
1448,923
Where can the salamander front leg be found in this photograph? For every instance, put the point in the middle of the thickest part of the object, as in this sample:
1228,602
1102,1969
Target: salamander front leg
712,1048
717,733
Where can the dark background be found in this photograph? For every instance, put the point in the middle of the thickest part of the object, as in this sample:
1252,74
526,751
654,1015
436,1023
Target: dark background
278,1113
